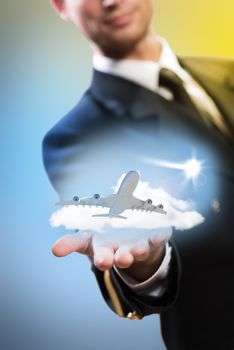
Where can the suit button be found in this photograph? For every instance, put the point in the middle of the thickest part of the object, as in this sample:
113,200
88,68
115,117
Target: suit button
133,316
216,206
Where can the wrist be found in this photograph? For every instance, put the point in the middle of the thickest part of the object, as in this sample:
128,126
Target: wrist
142,270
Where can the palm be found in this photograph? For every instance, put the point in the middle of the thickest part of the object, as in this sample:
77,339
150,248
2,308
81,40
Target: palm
122,248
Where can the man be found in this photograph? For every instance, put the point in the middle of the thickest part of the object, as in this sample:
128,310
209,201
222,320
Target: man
189,282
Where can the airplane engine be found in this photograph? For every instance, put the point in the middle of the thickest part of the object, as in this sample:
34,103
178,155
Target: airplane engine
96,196
148,203
160,206
76,199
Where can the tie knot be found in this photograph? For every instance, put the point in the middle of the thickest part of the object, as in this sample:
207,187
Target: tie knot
172,82
169,79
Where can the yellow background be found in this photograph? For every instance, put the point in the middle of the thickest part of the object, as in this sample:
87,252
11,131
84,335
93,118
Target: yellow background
197,27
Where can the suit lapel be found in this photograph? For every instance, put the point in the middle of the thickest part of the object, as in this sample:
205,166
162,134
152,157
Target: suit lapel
124,98
216,76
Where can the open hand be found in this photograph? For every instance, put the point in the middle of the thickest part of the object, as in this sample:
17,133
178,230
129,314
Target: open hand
141,255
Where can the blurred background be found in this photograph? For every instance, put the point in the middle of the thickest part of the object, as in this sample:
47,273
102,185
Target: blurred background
47,302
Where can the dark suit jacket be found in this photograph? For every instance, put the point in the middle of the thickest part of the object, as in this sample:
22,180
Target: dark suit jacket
197,306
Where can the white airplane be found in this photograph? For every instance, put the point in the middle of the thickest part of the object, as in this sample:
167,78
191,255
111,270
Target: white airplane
120,201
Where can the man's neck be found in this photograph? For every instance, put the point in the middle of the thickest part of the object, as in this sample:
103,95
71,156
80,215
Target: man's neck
148,49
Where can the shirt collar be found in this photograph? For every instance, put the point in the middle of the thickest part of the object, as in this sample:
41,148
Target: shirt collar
144,73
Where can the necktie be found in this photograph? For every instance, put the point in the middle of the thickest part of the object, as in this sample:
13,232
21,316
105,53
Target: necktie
190,94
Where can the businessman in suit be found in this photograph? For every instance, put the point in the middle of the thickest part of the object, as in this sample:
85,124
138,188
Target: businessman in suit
188,281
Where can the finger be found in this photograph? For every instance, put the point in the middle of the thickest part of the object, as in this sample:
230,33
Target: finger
161,236
103,257
71,243
123,257
140,250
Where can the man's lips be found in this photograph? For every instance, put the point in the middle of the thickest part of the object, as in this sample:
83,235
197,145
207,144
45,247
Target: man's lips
119,20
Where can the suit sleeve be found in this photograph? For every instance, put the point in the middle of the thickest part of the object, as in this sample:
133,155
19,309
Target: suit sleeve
135,304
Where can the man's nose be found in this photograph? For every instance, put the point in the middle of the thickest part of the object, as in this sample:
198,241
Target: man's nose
111,3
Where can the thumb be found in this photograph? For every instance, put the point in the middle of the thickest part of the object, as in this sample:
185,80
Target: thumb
67,244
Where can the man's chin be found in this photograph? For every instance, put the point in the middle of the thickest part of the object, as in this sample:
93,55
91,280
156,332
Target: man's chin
117,51
119,45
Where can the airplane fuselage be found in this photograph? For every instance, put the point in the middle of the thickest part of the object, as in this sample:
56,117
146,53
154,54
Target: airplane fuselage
129,183
124,193
122,203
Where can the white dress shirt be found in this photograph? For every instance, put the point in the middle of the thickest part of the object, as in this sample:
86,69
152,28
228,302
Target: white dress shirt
144,73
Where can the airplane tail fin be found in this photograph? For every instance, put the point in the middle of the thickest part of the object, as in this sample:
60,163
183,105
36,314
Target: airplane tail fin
108,216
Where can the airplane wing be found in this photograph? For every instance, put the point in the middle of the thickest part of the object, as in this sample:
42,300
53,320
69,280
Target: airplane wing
96,200
147,205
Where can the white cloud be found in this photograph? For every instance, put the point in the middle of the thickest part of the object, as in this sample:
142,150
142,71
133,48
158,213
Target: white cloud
181,214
